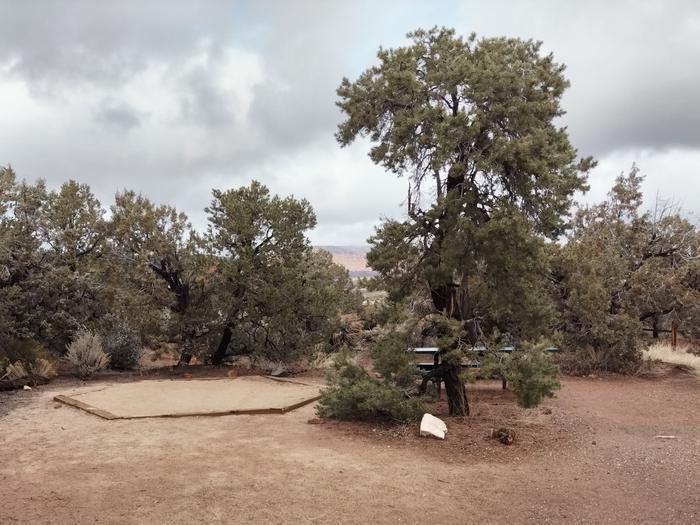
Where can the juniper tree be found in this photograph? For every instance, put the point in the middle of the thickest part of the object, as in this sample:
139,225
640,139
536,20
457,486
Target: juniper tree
49,245
278,297
623,268
472,125
163,271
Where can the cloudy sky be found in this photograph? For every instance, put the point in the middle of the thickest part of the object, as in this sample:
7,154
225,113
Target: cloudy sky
174,98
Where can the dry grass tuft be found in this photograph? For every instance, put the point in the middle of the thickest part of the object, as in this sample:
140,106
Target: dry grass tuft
15,370
20,370
680,356
44,368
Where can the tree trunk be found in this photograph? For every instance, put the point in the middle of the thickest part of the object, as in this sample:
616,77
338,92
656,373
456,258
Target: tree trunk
220,353
655,328
454,387
674,334
446,299
456,391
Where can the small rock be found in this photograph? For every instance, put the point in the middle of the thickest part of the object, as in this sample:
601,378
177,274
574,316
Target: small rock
547,411
504,435
26,387
280,371
657,437
432,426
315,421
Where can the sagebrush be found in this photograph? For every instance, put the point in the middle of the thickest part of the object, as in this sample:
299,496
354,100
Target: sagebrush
87,355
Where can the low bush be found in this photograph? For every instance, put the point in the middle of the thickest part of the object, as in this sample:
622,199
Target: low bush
86,354
349,333
123,345
26,352
353,394
531,375
16,370
44,368
393,362
19,370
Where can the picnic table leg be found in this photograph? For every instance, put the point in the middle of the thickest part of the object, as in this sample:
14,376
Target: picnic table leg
436,362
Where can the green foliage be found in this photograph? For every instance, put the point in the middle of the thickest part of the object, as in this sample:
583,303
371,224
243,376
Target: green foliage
393,362
471,124
164,284
279,298
122,344
50,243
349,333
353,394
620,270
384,313
253,276
86,354
531,375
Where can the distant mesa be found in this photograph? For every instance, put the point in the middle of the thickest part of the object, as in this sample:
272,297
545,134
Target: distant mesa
354,258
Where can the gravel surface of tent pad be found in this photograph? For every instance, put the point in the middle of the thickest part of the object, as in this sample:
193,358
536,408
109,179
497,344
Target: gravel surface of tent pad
193,397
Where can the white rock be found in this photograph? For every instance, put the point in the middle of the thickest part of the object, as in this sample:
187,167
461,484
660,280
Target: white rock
432,426
25,387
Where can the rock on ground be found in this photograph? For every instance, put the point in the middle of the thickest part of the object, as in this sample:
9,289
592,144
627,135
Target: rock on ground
433,426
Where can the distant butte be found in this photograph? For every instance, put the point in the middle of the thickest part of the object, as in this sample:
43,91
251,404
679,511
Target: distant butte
354,258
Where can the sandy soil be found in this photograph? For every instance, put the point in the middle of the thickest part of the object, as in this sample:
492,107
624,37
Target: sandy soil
590,455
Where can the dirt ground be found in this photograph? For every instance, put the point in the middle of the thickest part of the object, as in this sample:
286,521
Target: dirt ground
589,455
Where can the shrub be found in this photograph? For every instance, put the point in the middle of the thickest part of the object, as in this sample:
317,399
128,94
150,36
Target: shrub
26,352
530,375
44,368
15,370
349,332
353,394
123,345
393,362
87,355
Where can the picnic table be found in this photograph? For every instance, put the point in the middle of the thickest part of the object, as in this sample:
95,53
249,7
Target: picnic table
479,350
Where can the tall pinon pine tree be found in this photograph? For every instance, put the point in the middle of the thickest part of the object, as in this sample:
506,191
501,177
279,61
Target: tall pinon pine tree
471,125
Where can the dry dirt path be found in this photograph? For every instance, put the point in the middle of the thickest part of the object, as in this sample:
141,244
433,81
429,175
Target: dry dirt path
61,465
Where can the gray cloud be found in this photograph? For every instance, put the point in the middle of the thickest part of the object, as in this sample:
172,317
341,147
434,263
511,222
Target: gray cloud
117,114
632,66
173,98
102,42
